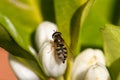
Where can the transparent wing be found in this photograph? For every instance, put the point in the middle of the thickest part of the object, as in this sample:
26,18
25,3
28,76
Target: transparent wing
69,53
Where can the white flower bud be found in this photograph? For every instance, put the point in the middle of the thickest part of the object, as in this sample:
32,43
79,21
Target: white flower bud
51,67
22,72
97,72
46,48
84,60
44,33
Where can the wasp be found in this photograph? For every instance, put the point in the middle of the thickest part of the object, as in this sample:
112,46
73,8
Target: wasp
60,48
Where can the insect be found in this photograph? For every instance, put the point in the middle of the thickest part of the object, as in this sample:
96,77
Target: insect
60,48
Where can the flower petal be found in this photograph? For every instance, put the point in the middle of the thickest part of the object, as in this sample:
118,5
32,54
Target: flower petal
97,72
22,72
84,60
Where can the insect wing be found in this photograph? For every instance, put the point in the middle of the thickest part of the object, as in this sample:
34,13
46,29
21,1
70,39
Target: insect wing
69,52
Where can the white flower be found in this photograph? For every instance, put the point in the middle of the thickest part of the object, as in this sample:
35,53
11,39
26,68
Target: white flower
46,48
22,72
84,61
97,72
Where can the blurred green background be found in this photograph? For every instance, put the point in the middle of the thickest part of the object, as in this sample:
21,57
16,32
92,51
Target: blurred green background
20,18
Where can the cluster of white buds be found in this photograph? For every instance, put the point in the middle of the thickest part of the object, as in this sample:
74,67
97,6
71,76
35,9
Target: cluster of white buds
90,65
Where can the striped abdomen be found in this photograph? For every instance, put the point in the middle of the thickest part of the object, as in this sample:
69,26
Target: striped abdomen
61,52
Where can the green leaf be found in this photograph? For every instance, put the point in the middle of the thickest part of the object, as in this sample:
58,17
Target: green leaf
18,21
46,7
64,10
101,13
70,16
20,18
77,24
19,53
114,70
111,36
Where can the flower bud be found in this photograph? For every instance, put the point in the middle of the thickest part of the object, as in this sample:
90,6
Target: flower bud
44,33
22,72
47,49
84,61
51,66
97,72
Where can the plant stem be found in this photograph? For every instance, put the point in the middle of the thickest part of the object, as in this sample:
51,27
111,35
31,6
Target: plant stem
68,71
